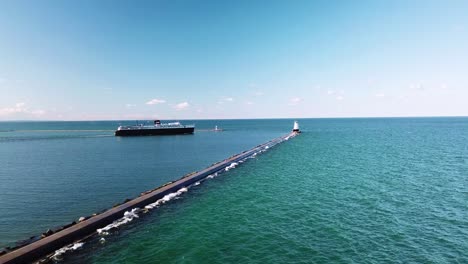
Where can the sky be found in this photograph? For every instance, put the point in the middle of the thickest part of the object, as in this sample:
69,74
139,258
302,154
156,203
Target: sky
134,60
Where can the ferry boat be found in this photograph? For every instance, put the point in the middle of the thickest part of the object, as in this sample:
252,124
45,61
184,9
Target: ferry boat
175,128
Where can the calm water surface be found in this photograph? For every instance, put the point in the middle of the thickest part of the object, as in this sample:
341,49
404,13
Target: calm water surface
346,190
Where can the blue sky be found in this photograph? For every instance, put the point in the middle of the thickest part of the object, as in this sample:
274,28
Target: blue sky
99,60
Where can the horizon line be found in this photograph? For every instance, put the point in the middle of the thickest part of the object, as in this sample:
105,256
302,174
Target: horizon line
255,118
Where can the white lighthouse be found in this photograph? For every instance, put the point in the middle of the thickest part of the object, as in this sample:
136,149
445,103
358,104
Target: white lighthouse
296,127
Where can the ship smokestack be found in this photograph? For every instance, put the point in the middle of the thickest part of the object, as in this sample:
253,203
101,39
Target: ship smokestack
296,127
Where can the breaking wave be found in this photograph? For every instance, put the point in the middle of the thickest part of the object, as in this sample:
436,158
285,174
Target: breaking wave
128,217
59,252
166,198
232,166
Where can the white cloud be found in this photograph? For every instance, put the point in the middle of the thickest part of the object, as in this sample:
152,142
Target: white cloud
379,95
20,108
128,106
337,94
38,112
155,101
295,101
20,105
225,99
249,103
417,86
8,111
259,93
181,106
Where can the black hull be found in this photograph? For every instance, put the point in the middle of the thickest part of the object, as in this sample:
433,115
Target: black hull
154,132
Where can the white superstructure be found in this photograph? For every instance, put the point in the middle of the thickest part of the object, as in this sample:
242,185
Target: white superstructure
296,127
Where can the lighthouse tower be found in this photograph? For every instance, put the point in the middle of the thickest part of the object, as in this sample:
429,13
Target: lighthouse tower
296,127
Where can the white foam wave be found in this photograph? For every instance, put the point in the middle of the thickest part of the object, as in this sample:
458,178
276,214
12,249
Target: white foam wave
132,214
166,198
232,166
197,183
65,249
128,217
211,176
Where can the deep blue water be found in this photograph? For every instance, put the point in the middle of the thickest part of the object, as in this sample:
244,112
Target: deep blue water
379,190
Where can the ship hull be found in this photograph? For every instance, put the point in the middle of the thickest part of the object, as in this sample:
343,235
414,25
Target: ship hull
154,132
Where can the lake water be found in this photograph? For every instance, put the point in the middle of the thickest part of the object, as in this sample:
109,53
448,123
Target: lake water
346,190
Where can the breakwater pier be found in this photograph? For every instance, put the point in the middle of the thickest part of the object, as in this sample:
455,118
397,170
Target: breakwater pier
76,232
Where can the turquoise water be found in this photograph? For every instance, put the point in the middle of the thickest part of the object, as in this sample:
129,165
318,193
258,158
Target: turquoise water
344,191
